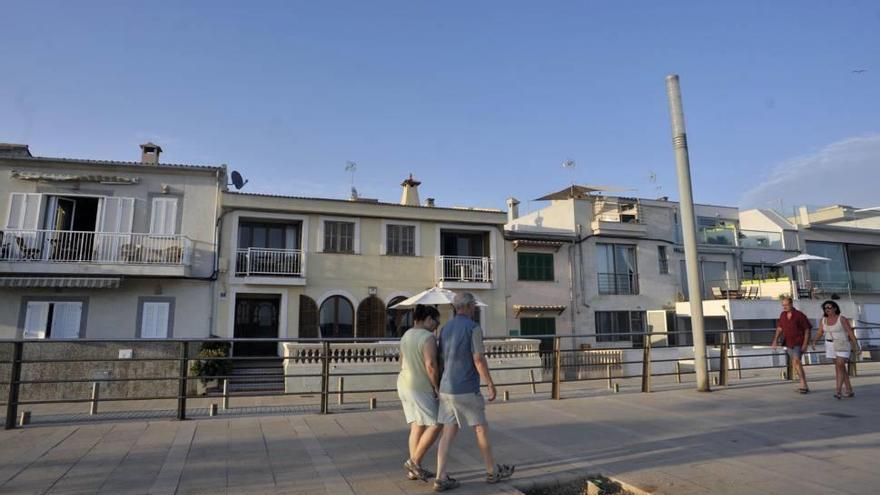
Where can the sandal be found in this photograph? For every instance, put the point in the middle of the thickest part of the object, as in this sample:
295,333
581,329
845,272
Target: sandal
445,484
837,396
502,472
416,472
849,394
803,390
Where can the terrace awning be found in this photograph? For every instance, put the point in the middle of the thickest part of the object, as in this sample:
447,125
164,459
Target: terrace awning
524,308
66,282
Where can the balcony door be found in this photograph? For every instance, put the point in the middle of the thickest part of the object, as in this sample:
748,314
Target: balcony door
71,222
468,244
268,248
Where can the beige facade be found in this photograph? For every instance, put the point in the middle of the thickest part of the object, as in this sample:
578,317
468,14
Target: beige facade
357,256
110,244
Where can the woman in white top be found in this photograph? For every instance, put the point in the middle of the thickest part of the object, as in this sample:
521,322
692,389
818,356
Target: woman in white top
840,342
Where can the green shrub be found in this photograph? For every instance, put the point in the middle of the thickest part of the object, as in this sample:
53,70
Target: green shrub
212,367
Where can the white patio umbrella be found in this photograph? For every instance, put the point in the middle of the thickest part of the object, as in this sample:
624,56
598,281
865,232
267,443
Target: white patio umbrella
434,295
802,258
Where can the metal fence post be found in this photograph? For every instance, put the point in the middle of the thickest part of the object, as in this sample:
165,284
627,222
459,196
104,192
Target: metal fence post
325,376
96,392
532,379
225,394
646,364
340,387
181,383
722,366
557,364
14,378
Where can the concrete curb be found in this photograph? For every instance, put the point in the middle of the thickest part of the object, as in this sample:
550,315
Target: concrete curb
565,477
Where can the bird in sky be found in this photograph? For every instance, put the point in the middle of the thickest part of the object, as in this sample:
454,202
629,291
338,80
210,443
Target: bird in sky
859,71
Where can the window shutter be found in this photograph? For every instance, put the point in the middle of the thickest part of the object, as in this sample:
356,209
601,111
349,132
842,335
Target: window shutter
154,320
24,211
163,216
66,320
35,321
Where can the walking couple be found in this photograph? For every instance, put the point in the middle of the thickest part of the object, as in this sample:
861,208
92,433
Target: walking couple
840,342
439,388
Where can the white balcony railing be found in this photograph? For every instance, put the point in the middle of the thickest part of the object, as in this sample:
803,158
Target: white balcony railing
464,269
269,262
65,246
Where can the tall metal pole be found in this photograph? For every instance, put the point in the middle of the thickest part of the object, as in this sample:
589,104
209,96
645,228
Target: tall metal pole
688,225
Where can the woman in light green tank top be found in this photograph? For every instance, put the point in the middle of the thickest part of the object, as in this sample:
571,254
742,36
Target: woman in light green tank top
417,386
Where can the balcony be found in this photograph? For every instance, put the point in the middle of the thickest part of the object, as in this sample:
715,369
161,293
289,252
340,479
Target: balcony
716,236
618,283
271,266
465,272
618,217
755,239
68,252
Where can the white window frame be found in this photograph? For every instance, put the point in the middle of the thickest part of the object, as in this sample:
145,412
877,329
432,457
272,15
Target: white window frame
383,242
169,315
356,245
51,305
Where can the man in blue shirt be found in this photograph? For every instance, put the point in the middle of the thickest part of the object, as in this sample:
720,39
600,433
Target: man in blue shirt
464,362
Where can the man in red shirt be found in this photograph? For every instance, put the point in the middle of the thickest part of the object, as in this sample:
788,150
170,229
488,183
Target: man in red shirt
796,328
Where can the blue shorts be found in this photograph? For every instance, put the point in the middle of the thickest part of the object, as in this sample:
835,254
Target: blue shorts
794,352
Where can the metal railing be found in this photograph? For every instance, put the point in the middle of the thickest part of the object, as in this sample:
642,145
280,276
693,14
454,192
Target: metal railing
65,246
270,262
330,367
757,239
618,283
465,268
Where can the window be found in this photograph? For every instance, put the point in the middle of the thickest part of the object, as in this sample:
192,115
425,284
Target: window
617,269
535,266
336,318
663,260
155,319
52,320
617,326
400,240
163,216
339,237
752,271
539,326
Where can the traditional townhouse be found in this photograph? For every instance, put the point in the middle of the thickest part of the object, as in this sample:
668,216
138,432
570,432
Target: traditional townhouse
540,284
317,267
106,249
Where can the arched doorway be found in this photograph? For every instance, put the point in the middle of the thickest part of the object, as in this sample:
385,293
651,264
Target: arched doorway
308,317
371,318
336,318
398,321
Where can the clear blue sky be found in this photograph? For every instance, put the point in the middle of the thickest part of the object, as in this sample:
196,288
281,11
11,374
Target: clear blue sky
480,100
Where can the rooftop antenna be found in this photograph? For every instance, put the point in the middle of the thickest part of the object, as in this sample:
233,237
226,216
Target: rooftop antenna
569,164
237,180
652,178
351,167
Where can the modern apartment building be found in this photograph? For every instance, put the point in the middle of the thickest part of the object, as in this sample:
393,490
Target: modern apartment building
318,267
106,249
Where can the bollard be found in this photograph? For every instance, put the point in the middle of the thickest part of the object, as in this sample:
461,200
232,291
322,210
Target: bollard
715,380
739,369
24,419
722,369
96,391
616,388
372,403
677,372
225,394
505,396
851,368
608,376
340,384
212,410
532,379
789,368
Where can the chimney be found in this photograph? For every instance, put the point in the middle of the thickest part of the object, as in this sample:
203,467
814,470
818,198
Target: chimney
429,202
150,153
410,196
512,209
803,216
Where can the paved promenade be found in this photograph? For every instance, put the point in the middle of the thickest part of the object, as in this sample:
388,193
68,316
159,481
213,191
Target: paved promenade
749,438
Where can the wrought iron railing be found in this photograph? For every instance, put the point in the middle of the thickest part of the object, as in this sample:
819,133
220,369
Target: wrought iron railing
269,262
65,246
618,283
464,268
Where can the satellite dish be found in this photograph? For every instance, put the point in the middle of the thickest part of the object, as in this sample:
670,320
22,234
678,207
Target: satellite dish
237,180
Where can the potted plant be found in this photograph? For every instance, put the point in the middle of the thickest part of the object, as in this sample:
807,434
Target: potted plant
207,364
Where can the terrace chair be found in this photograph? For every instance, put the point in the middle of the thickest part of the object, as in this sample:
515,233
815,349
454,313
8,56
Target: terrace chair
754,292
716,293
26,252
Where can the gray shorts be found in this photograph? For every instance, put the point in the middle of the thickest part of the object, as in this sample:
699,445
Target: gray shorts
419,407
794,353
462,409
